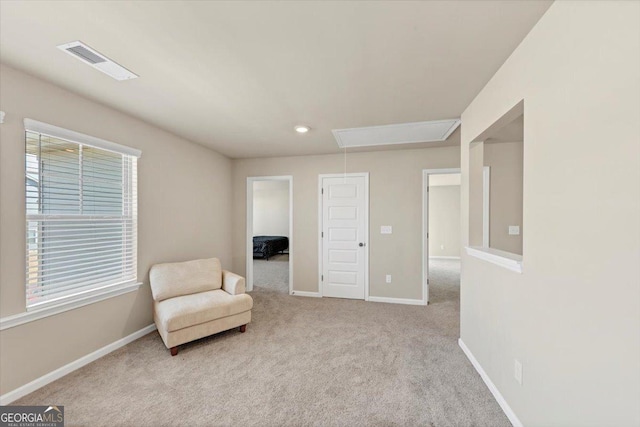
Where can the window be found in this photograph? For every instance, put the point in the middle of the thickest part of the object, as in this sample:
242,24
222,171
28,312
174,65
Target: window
81,215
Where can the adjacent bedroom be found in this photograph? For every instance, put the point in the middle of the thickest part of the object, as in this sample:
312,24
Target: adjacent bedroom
271,225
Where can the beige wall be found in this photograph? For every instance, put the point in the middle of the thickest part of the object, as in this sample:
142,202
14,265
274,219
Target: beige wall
395,183
271,208
180,185
572,317
505,195
444,220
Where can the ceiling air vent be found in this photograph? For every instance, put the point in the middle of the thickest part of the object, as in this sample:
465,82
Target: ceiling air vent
97,60
86,54
404,133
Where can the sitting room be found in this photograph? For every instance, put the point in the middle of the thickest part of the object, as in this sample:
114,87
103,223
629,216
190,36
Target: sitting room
367,213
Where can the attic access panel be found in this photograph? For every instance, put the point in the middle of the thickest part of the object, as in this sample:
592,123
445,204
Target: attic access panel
404,133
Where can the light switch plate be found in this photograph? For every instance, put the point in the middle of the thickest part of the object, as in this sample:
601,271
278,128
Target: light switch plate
386,229
514,230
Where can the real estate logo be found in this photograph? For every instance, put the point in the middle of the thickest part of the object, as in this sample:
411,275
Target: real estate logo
31,416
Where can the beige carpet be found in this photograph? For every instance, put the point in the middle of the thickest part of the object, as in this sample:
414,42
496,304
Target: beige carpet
272,274
302,361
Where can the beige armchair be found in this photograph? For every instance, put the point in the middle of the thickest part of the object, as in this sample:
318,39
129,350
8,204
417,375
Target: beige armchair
195,299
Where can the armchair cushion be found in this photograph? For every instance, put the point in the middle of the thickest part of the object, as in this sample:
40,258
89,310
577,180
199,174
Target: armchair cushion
177,313
185,278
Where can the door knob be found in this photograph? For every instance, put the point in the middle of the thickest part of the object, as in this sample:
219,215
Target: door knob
361,244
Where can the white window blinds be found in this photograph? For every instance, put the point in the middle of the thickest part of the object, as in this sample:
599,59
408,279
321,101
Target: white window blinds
81,205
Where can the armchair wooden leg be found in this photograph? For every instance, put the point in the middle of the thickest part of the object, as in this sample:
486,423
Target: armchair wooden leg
174,350
243,328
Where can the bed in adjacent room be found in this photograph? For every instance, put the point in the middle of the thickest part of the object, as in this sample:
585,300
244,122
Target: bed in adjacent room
267,246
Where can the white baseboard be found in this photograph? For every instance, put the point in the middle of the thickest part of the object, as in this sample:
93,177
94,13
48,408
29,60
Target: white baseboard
492,388
444,257
306,294
16,394
397,300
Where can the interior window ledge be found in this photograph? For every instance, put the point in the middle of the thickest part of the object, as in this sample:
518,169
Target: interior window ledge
53,309
504,259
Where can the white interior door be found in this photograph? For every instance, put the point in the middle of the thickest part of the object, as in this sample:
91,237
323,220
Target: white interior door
344,236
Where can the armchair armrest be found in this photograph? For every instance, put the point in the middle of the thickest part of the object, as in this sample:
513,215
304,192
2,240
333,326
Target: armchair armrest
232,283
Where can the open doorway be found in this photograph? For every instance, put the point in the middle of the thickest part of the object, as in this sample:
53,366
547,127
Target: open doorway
269,233
441,246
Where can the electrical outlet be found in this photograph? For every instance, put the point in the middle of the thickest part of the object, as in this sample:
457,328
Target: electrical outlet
514,230
388,278
517,371
442,247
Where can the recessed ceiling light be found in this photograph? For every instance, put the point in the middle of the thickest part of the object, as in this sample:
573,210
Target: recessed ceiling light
302,129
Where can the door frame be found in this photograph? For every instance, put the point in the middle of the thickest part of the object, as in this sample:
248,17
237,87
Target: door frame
364,175
486,197
425,226
249,227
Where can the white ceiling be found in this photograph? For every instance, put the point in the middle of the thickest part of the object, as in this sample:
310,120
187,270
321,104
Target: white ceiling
237,76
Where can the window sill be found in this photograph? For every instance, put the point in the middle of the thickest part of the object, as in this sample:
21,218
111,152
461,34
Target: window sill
53,309
503,259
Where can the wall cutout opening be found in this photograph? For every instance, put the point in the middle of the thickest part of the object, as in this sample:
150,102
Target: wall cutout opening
496,166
